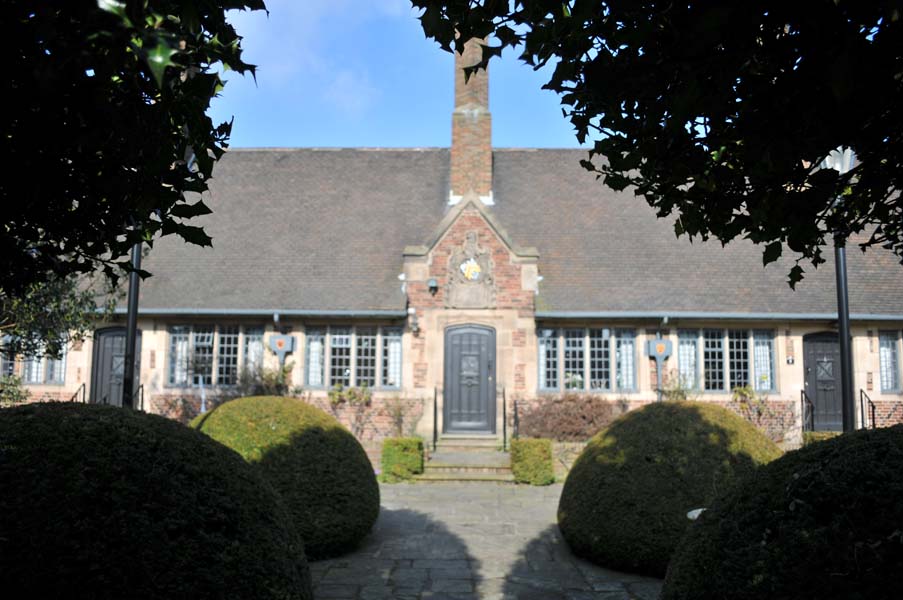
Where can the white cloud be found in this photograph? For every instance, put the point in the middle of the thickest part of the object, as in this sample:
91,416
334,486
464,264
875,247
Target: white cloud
352,93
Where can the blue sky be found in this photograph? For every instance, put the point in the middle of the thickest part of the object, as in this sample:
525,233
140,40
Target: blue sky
361,73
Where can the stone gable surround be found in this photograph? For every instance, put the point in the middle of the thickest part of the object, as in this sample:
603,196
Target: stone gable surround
511,313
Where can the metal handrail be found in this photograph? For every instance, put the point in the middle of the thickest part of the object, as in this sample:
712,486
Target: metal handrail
808,410
516,422
81,391
504,422
435,417
863,398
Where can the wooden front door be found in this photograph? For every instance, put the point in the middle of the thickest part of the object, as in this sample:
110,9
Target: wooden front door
823,380
469,396
109,365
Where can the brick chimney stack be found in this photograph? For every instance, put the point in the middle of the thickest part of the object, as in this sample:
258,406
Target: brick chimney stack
471,150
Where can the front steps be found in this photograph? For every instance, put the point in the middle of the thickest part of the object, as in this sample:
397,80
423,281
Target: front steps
468,458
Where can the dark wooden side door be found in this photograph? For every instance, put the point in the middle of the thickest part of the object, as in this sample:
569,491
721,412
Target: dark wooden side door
823,379
109,365
469,396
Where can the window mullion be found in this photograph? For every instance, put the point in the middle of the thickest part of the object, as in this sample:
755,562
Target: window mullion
726,361
327,354
214,357
352,377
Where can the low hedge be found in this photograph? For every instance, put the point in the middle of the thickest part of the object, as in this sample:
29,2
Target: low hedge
318,467
625,501
102,502
531,461
570,417
402,458
825,522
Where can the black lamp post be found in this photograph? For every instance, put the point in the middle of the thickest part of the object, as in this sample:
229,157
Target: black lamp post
841,161
131,331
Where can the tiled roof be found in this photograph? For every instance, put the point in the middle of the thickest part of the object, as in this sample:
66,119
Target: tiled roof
324,230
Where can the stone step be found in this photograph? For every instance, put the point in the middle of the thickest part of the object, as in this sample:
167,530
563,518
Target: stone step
465,469
489,458
461,443
458,476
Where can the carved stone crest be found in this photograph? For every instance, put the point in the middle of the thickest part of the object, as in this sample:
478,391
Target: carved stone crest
470,281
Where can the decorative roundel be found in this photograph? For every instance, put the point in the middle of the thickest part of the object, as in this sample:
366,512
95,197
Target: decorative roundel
471,269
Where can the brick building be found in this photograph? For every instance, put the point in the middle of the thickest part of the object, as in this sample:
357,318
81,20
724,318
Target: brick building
472,274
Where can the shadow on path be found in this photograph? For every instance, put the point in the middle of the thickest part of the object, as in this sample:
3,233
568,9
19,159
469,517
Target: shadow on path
408,554
546,569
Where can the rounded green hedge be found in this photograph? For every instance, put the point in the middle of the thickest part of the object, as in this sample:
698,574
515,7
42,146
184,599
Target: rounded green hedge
318,467
625,501
823,522
531,461
102,502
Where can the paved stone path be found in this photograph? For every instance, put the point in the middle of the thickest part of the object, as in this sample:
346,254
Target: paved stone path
463,541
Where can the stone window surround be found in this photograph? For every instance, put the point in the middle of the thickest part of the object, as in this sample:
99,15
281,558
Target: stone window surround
894,337
381,332
243,330
44,368
725,368
614,368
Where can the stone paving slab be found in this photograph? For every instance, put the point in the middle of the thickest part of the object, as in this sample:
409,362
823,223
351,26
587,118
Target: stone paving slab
470,541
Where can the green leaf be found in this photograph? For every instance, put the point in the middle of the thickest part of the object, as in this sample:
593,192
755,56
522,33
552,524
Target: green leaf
772,252
194,235
160,57
187,211
796,275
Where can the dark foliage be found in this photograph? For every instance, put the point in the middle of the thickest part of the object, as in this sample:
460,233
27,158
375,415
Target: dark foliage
822,522
318,467
101,502
402,458
105,105
570,417
812,437
721,112
625,501
531,461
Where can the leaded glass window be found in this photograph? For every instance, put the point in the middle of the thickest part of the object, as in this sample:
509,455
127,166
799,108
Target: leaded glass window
599,359
573,359
179,357
340,356
253,352
738,357
687,354
391,357
7,364
365,357
889,363
202,356
33,370
227,356
625,357
548,359
713,359
763,360
316,357
56,369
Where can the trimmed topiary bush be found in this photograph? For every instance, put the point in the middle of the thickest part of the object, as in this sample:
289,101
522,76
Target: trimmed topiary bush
402,458
103,502
822,522
625,501
531,461
812,437
318,467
